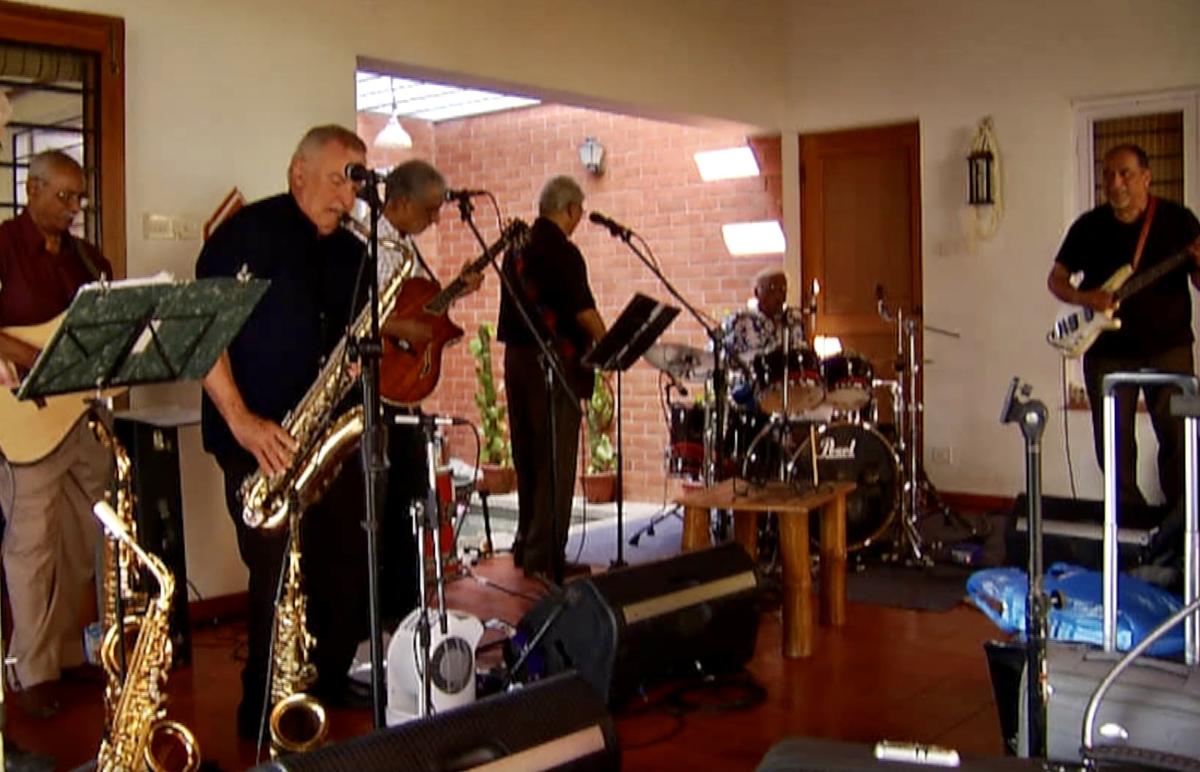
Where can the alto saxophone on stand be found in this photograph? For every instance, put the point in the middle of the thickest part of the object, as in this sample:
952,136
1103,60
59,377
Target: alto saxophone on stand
139,736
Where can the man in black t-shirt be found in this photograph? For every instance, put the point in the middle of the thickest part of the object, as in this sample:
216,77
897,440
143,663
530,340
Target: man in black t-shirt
1156,323
551,276
294,240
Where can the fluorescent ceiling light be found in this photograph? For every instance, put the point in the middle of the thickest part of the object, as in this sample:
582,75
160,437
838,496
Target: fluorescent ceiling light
754,238
727,164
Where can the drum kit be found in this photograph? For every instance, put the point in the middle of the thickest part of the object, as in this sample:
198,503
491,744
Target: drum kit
796,416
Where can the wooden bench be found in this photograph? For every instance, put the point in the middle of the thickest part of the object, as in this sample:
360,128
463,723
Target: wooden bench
793,507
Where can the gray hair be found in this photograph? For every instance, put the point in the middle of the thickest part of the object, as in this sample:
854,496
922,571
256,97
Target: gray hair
319,136
559,193
411,179
47,162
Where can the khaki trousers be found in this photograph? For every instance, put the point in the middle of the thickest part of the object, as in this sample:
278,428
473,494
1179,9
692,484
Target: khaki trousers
49,550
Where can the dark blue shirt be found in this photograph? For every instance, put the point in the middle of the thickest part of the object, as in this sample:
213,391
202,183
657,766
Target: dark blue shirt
305,311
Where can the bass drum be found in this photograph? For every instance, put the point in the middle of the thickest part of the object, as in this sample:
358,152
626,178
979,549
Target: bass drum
861,455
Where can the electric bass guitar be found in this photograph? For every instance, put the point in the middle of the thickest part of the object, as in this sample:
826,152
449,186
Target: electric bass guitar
1077,329
32,429
409,371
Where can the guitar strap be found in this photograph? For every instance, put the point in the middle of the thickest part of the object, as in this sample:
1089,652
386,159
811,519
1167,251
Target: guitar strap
1137,255
88,263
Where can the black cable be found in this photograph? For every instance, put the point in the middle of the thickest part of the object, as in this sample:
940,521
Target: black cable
500,587
1067,429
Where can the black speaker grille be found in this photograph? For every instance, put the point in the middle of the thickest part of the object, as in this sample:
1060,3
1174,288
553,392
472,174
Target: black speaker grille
476,734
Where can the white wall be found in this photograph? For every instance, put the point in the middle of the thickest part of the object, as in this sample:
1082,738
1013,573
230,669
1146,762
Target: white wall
948,64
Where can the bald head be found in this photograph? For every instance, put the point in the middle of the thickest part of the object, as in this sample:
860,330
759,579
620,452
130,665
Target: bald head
56,191
770,289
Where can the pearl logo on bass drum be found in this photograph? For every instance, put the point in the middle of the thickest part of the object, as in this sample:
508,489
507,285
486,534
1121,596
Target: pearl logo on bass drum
830,450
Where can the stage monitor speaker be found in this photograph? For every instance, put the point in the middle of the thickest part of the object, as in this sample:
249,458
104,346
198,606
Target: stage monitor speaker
1073,532
557,723
628,627
158,509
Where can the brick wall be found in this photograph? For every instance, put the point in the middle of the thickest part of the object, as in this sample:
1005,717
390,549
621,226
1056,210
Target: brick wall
650,184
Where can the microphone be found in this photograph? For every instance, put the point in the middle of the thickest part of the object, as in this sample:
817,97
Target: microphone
359,173
462,194
614,227
436,420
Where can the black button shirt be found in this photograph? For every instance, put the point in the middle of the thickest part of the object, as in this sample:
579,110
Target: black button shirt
554,278
280,350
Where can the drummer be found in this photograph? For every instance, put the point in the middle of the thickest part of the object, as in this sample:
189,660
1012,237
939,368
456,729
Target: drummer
759,329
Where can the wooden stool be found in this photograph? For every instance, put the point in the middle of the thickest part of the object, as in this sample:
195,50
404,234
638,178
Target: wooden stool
793,509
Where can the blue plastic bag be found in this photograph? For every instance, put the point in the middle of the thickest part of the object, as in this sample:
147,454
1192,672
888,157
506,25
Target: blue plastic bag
1076,610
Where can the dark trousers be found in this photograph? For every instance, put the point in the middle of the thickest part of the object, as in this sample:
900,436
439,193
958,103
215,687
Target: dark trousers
542,521
1167,429
335,578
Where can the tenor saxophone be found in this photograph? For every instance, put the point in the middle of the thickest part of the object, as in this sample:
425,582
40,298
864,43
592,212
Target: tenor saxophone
297,722
139,736
267,500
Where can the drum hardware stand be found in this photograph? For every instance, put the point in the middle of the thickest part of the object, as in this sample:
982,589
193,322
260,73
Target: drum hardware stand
668,512
908,545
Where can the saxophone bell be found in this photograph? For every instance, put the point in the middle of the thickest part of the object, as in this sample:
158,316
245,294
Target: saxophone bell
172,748
298,725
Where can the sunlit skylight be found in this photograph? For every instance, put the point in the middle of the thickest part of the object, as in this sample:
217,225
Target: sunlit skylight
727,164
754,238
429,101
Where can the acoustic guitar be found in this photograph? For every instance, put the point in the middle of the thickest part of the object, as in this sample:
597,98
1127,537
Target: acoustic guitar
32,429
409,372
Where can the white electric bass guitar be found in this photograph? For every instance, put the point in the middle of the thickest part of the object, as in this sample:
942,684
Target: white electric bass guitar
1077,329
30,430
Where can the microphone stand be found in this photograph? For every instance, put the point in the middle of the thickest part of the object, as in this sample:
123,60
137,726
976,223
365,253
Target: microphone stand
369,350
1031,415
552,368
719,355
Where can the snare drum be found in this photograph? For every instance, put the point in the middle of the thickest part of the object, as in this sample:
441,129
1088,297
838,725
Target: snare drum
686,454
847,378
805,389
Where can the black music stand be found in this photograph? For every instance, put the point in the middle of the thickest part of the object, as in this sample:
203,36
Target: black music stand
636,329
140,331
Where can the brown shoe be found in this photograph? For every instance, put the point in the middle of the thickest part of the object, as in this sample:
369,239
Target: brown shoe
40,700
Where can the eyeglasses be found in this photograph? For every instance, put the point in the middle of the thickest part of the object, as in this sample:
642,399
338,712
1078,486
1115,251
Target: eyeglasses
68,197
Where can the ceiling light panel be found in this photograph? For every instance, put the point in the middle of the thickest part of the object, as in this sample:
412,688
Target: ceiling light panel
727,164
754,238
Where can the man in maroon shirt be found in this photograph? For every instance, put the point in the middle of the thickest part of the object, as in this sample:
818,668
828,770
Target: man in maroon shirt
49,533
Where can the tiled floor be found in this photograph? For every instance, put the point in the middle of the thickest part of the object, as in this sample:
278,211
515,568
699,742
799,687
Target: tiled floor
888,673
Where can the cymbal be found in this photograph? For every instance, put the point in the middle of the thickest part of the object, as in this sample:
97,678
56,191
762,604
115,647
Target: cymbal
680,360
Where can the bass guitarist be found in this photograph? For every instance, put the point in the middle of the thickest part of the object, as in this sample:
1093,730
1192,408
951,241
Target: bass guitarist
551,275
49,534
1134,228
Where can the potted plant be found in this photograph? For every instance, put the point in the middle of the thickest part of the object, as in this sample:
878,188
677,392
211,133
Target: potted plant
600,479
495,456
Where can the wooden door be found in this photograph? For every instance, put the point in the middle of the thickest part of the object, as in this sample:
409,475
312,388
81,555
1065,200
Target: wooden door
860,223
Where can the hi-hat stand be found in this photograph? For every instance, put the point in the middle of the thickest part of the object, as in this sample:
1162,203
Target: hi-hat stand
919,499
